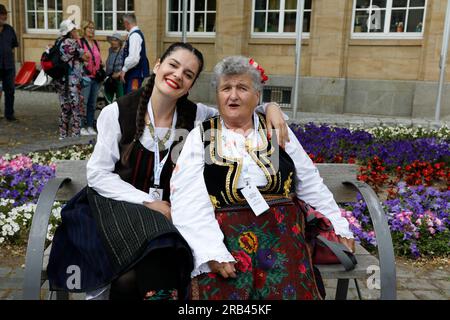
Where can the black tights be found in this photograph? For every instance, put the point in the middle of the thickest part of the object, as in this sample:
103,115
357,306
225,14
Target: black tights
155,272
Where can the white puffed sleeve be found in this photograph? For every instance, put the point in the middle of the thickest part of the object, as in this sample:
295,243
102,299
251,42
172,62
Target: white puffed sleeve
100,167
192,211
311,189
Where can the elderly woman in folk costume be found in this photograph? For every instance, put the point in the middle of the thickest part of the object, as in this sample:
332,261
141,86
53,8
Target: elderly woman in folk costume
235,199
119,230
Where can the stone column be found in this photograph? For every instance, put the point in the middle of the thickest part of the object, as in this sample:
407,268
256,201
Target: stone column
232,27
327,44
149,19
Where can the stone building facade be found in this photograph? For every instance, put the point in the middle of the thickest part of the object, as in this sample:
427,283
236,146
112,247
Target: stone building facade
358,56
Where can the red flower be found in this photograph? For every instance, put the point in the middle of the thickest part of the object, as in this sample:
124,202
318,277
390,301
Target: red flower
338,159
220,218
279,217
302,269
308,296
244,262
264,77
296,229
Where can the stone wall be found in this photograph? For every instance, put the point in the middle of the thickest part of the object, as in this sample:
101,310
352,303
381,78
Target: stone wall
414,99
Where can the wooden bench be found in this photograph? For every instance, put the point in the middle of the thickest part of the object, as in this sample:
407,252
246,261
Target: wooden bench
340,179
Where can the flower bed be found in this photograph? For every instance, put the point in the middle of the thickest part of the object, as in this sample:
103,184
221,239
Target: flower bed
22,179
418,218
408,167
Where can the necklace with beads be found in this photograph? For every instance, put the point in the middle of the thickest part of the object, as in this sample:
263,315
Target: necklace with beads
161,141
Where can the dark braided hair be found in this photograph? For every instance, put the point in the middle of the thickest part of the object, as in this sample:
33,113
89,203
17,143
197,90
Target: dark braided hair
147,93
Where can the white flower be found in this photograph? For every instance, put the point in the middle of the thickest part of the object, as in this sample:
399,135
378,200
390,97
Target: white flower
2,240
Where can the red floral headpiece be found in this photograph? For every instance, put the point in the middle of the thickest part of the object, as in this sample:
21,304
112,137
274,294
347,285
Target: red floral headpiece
264,77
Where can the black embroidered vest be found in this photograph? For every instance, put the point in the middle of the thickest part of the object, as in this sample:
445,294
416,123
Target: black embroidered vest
221,174
138,171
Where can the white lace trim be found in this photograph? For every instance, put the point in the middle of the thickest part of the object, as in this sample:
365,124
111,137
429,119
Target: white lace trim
201,264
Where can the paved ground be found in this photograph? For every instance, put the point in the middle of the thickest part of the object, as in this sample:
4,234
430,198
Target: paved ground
37,130
413,283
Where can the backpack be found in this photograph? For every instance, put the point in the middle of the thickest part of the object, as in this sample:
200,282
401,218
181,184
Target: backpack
52,64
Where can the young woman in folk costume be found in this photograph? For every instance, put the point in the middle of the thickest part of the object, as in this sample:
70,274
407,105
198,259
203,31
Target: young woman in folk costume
118,230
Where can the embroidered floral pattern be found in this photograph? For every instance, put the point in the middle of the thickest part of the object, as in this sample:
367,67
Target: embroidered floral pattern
271,254
249,242
162,295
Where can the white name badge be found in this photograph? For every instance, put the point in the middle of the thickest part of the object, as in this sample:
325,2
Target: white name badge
156,194
255,199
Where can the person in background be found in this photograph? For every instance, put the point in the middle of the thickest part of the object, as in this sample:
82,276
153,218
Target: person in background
8,41
114,63
92,67
69,87
136,65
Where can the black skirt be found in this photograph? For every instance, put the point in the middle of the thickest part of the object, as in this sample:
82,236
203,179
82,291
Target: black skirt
102,239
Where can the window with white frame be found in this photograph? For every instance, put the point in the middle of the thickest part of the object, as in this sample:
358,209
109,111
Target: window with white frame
388,18
278,17
107,14
43,15
201,17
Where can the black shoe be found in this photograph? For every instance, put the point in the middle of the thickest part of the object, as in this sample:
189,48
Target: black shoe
12,118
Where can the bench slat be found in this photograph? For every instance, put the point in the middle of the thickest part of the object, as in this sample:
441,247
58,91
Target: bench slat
332,174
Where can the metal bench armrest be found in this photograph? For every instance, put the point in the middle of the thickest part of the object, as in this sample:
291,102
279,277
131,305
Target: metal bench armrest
36,239
388,277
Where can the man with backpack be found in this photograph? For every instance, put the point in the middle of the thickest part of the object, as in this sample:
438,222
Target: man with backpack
136,66
8,41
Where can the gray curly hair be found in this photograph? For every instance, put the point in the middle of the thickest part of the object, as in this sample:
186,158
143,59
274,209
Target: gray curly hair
236,65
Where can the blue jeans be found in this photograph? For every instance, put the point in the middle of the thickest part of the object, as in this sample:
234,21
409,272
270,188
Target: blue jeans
90,93
7,77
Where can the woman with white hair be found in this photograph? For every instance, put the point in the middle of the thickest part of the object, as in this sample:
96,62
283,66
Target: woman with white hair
69,86
236,199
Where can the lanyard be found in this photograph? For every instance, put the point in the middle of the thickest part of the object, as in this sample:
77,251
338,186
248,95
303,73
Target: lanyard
158,164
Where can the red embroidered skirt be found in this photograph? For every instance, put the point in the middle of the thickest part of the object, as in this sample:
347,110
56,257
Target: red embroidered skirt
273,260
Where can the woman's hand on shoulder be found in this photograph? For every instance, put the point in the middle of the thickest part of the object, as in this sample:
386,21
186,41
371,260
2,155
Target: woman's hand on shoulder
225,269
275,120
162,207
